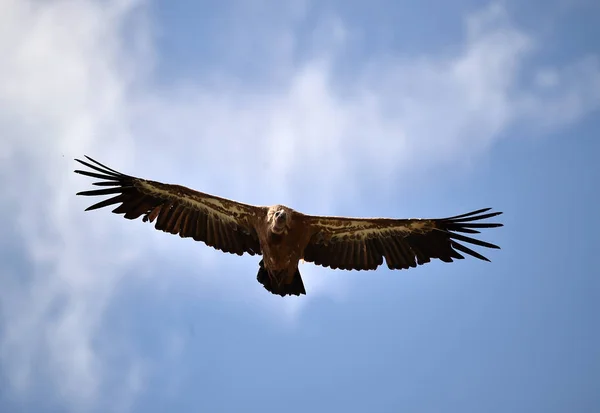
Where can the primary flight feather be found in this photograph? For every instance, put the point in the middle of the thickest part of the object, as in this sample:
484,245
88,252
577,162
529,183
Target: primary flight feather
284,236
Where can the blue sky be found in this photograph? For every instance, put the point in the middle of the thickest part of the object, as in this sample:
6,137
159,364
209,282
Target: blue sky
348,108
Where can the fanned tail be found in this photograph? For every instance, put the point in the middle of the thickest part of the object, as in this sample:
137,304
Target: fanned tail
296,287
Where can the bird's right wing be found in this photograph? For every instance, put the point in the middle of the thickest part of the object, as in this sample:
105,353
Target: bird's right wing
221,223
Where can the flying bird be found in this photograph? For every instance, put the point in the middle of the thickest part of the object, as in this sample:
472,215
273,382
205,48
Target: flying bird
283,236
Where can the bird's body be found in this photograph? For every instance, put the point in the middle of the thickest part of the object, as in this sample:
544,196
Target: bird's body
284,236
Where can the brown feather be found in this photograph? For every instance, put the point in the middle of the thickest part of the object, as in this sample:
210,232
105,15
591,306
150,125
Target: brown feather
218,222
284,236
364,243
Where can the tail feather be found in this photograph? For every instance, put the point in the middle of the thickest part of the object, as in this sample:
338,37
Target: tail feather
296,287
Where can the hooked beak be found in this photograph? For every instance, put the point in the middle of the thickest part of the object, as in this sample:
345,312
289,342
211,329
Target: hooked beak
279,223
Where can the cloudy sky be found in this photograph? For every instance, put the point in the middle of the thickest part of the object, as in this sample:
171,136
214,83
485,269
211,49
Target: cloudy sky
359,108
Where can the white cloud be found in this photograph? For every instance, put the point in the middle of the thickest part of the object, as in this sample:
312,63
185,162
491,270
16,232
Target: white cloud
69,86
62,92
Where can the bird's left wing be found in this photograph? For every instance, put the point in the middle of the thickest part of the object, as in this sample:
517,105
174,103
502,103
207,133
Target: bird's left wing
221,223
363,243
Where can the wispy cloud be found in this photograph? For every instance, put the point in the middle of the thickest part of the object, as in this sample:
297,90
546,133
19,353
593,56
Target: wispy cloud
69,85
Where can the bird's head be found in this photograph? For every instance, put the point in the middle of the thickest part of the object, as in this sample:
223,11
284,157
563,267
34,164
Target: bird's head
279,219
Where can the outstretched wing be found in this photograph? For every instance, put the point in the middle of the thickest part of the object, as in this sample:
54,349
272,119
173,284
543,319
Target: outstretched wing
362,244
220,223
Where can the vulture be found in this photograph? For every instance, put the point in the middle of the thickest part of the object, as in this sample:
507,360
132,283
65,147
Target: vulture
283,236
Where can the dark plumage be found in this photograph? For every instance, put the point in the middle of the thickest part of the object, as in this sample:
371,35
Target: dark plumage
284,236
